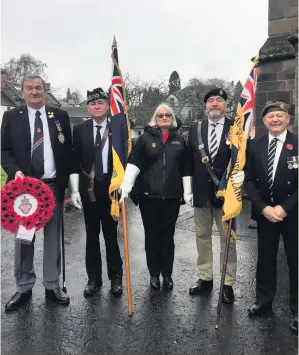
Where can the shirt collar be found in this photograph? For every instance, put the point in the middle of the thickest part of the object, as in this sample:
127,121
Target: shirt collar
282,137
221,121
42,110
103,124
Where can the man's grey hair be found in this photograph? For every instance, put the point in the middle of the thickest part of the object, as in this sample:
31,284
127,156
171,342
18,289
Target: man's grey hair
30,77
153,121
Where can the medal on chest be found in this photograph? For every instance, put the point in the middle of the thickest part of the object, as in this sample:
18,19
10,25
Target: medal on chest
292,162
61,137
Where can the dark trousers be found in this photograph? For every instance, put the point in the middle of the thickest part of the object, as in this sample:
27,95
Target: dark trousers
268,241
24,253
159,219
97,215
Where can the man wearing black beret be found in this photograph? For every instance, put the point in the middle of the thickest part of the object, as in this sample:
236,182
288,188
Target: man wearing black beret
92,148
271,183
208,155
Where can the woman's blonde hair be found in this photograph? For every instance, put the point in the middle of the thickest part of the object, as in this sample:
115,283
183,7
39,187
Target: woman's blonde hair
153,121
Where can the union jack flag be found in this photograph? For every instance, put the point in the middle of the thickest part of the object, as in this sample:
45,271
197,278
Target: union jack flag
238,136
247,99
116,96
120,130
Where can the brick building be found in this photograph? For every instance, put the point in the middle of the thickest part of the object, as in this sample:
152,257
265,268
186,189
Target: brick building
278,65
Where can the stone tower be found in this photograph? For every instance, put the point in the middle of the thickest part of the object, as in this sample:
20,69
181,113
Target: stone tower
278,65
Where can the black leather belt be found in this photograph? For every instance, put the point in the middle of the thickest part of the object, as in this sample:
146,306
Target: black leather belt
49,181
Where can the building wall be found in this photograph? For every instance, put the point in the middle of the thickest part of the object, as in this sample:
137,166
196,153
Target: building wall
278,66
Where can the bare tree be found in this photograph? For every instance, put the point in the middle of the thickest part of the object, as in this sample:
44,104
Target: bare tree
143,97
77,97
57,92
192,104
17,69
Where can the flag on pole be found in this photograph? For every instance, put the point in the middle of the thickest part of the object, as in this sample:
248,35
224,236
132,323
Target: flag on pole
238,136
120,130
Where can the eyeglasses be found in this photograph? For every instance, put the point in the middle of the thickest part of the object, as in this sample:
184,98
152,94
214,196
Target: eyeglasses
161,115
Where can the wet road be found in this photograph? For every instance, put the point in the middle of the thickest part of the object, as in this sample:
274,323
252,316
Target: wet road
163,322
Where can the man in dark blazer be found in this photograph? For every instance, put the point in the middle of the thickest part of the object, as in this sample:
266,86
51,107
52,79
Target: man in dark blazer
36,141
200,190
92,148
272,185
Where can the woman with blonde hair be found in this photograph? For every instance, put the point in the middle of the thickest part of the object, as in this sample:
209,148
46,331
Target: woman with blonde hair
158,159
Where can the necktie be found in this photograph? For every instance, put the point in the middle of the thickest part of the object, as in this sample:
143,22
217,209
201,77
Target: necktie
98,162
37,157
271,156
213,142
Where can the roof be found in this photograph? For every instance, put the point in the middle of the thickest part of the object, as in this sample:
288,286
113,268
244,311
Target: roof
14,92
77,112
172,93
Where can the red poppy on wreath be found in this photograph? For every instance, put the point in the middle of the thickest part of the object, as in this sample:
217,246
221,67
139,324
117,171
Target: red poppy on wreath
289,146
26,201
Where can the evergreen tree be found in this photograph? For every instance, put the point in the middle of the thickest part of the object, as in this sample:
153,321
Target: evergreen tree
174,82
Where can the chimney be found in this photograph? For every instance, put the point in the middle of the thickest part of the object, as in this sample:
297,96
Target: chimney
4,77
48,87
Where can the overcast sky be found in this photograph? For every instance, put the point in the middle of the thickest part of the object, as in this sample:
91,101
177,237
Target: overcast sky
198,38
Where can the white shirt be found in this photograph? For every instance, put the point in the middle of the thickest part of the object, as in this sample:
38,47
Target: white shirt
218,129
49,162
281,139
105,150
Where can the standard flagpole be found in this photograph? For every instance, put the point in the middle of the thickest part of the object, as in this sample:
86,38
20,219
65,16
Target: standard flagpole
127,259
128,147
224,267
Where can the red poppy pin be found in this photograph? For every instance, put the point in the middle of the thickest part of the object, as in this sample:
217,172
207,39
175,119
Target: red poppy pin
289,146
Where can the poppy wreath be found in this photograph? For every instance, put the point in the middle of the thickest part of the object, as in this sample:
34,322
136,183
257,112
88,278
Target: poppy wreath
31,187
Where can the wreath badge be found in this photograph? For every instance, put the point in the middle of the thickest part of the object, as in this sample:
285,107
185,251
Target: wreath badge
26,202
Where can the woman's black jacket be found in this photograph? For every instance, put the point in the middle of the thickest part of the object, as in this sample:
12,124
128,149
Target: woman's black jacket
161,165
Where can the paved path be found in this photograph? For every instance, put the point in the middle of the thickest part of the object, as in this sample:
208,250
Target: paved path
163,322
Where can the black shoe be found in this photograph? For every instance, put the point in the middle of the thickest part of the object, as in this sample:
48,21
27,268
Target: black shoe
18,300
116,284
200,286
167,283
57,296
252,224
294,324
155,283
91,287
228,294
259,310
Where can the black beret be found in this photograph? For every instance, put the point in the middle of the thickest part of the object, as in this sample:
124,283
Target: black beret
274,106
96,94
216,92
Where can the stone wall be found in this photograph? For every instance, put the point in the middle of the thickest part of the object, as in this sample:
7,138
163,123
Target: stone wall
278,65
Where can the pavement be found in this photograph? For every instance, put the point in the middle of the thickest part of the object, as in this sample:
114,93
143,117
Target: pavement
163,322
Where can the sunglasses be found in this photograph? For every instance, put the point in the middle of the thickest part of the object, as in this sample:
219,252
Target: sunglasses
161,115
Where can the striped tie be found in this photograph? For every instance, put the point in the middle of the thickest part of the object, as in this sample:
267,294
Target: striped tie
213,142
37,157
271,156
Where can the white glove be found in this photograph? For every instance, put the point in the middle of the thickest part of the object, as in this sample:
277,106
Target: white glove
75,195
188,195
238,178
127,184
